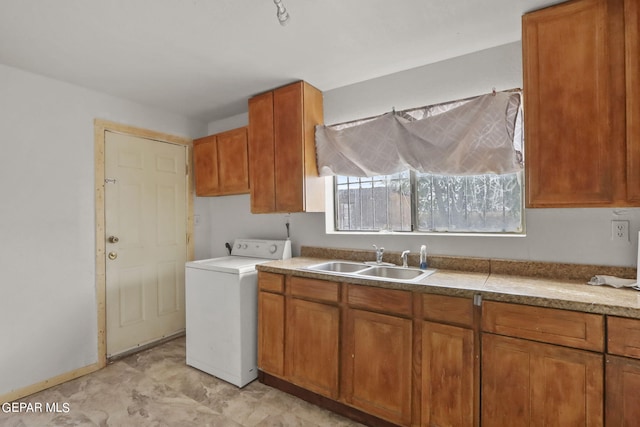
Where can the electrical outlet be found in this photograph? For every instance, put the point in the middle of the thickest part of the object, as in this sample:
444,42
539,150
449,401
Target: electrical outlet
620,230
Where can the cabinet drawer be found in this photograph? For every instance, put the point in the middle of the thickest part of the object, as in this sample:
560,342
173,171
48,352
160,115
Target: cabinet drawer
623,336
314,289
563,327
270,282
445,309
386,300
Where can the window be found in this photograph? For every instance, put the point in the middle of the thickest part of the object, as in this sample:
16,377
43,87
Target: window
373,204
434,202
410,201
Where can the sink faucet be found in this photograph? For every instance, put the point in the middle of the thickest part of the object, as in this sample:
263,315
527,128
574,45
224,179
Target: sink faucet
404,256
379,253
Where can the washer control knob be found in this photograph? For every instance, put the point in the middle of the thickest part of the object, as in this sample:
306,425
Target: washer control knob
245,246
273,248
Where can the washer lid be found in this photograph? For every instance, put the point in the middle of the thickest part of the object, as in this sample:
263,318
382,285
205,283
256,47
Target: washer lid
228,264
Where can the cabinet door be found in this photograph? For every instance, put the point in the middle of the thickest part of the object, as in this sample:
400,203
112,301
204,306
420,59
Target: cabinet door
271,333
205,160
525,383
378,365
574,104
261,153
289,164
313,331
632,61
233,161
623,388
447,375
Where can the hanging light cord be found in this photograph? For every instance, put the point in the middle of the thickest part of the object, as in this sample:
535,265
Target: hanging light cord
282,14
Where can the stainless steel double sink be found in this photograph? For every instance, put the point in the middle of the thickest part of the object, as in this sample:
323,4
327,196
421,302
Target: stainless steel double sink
371,271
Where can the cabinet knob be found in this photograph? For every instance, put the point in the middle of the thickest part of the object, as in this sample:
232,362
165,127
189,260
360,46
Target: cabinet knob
112,255
113,239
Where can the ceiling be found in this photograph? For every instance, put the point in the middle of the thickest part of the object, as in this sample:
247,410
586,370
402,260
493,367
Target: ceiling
204,58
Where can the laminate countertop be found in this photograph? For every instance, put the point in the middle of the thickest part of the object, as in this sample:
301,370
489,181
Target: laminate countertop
564,293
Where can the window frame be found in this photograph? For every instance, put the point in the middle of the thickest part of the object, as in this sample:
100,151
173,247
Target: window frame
331,216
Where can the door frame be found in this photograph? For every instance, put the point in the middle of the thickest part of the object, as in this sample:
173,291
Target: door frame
100,127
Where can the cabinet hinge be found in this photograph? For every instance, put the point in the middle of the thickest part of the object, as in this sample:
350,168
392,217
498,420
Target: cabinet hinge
477,300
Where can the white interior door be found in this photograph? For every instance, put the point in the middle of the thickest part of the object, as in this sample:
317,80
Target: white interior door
146,240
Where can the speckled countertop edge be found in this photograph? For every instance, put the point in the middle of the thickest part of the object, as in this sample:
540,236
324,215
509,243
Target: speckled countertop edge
477,277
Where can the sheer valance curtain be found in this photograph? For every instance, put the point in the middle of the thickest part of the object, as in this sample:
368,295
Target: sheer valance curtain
469,137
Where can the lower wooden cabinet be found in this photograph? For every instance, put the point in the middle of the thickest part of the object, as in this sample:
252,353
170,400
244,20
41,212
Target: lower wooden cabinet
526,383
311,350
377,372
271,321
541,366
271,333
448,386
622,408
409,359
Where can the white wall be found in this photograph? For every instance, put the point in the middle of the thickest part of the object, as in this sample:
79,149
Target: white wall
555,235
48,320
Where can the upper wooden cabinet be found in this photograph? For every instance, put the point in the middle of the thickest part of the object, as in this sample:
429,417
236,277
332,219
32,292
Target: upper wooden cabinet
282,155
632,63
581,115
221,163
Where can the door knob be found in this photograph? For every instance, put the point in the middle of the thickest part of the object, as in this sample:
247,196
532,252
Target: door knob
113,255
113,239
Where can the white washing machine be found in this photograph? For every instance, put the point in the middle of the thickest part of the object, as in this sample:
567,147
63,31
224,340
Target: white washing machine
221,298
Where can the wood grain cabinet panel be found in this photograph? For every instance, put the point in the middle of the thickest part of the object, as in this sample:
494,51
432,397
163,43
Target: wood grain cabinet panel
623,336
527,383
262,154
221,163
205,163
282,155
312,346
446,309
574,102
632,62
378,365
448,380
233,161
622,389
319,290
569,328
270,282
378,299
271,328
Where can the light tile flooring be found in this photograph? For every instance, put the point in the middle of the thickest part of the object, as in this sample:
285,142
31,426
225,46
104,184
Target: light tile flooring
156,388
